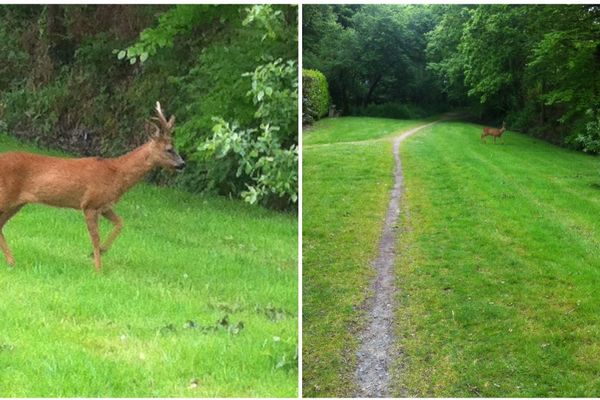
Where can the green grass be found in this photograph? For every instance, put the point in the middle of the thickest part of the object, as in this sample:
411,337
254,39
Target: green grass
345,196
499,263
353,129
67,331
500,267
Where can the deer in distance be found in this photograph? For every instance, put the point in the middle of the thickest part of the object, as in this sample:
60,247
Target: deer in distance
93,184
495,132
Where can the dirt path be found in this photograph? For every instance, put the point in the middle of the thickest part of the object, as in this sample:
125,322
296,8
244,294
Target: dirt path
377,341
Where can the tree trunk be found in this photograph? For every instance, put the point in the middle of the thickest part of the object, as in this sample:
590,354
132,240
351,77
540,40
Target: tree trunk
371,90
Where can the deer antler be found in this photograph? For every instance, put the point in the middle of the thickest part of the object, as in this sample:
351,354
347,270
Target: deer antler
166,125
161,117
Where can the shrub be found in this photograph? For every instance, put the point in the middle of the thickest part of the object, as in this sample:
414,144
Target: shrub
13,60
238,157
264,155
315,93
589,140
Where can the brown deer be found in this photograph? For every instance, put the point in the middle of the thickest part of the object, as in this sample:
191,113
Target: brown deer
93,185
495,132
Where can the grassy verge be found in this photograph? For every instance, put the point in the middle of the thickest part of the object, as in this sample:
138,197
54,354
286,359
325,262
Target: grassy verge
499,268
354,129
345,195
198,297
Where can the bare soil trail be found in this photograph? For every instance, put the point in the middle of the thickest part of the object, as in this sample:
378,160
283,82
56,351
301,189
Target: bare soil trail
377,340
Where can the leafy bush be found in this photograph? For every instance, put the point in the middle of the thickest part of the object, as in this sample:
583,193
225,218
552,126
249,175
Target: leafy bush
268,168
590,139
315,93
391,110
36,108
257,162
12,60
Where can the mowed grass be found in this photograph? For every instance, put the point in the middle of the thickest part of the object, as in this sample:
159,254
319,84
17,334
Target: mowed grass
351,129
499,267
346,189
197,298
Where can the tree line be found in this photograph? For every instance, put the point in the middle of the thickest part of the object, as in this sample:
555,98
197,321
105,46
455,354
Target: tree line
84,78
535,66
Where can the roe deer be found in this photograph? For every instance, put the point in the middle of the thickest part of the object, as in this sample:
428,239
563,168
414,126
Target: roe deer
495,132
92,184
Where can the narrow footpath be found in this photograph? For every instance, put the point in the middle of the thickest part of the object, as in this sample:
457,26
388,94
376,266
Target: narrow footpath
377,340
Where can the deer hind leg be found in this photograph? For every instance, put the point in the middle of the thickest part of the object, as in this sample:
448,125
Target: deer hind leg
118,225
4,217
91,218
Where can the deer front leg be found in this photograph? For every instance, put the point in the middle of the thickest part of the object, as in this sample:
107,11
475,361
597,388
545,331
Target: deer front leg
4,217
118,225
91,218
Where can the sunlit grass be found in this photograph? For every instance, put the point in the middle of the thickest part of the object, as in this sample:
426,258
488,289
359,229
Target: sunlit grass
500,267
346,189
152,322
350,129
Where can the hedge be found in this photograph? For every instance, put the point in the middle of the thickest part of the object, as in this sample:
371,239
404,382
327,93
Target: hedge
315,94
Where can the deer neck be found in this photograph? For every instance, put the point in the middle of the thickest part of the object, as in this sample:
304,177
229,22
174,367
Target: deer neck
133,166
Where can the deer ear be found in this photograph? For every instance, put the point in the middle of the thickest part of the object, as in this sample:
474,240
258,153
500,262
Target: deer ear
152,129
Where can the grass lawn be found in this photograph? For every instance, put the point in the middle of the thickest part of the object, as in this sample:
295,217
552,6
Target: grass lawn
345,195
198,297
500,267
353,129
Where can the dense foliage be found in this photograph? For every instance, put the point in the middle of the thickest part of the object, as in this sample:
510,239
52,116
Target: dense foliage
372,54
315,95
543,75
85,77
266,155
535,66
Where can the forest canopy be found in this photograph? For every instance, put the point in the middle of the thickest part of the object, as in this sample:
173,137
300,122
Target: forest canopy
85,78
537,67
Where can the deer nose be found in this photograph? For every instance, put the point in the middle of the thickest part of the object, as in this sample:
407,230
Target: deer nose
180,166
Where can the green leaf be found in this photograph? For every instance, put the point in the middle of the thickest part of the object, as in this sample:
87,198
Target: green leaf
132,60
143,57
121,54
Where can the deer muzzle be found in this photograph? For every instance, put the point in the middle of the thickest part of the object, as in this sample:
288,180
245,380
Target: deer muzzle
180,166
